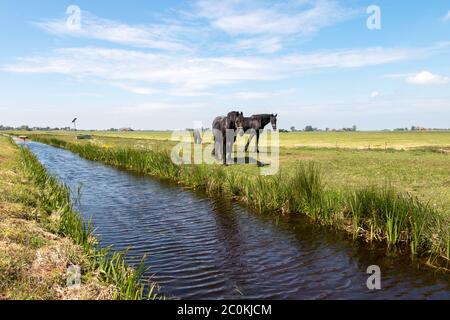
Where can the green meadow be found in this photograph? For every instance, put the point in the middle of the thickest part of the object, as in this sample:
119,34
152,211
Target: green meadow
354,140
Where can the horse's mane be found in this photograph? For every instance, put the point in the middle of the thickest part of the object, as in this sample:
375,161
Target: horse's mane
260,116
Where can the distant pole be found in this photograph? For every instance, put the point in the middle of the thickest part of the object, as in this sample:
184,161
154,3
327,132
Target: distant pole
74,121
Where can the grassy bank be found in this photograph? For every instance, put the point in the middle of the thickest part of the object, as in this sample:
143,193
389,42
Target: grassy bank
375,213
41,236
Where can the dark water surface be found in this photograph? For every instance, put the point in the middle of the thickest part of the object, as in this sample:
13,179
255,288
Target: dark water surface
201,248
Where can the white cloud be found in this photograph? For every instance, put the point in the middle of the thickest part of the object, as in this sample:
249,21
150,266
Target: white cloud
264,26
396,75
157,106
257,44
157,36
185,75
374,94
427,78
255,95
254,25
304,17
136,89
353,58
447,17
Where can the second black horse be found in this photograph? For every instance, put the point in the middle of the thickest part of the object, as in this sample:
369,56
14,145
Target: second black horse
257,122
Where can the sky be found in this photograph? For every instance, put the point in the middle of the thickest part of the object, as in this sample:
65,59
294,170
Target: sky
166,64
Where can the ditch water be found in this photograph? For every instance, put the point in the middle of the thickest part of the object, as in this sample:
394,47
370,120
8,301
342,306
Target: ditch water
203,248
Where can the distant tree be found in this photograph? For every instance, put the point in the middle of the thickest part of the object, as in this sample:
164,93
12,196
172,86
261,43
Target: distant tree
293,129
309,129
24,128
354,128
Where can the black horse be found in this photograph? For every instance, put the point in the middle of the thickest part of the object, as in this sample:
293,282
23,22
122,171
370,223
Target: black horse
224,130
256,123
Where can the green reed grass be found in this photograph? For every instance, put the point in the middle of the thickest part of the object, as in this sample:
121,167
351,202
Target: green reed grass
55,198
373,213
307,191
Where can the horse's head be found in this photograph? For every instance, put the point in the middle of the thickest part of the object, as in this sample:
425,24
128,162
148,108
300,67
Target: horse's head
237,118
273,121
240,123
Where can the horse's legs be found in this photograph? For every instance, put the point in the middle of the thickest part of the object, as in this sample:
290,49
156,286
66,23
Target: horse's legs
224,152
249,140
257,141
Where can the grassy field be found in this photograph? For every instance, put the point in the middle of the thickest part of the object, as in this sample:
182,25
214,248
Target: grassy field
40,237
422,169
400,197
354,140
366,140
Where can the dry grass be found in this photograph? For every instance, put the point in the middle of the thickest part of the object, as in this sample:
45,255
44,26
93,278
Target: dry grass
33,259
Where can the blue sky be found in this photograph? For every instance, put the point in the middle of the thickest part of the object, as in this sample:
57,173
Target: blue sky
166,64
